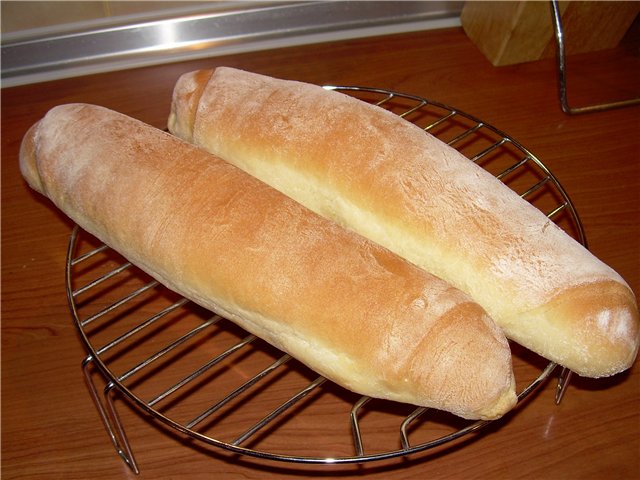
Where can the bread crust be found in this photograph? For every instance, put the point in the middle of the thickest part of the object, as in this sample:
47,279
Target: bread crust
392,182
348,308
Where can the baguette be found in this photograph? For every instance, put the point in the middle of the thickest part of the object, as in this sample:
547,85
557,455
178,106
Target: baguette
346,307
392,182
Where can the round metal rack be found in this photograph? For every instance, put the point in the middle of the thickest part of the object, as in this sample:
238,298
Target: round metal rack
203,376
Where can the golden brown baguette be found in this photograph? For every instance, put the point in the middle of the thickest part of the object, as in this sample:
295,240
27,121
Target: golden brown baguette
348,308
388,180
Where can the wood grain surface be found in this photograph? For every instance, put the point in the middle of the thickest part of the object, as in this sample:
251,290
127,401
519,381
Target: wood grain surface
50,427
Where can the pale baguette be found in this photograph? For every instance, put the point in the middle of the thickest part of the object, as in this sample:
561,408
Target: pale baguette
388,180
348,308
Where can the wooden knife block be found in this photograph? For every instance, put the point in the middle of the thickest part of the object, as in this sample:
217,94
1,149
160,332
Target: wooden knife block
514,32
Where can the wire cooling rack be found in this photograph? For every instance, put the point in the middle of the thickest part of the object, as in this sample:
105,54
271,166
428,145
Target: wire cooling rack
211,381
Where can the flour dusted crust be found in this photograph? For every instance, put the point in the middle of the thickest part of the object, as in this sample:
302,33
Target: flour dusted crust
388,180
348,308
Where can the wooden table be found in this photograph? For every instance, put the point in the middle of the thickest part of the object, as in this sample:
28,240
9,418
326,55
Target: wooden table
50,428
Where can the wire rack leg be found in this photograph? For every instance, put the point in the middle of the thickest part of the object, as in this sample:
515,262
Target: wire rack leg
563,383
110,418
562,75
355,424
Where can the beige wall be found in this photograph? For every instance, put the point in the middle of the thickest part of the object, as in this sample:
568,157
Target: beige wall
25,15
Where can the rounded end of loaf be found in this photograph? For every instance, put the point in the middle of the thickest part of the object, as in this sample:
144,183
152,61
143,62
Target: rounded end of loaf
596,331
28,166
474,366
184,105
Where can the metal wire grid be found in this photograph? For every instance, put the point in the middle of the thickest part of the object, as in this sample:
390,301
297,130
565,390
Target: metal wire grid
127,321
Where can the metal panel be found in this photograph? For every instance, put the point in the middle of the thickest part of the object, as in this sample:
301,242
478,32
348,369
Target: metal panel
246,28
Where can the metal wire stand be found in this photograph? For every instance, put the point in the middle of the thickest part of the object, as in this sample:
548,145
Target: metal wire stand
562,73
197,372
